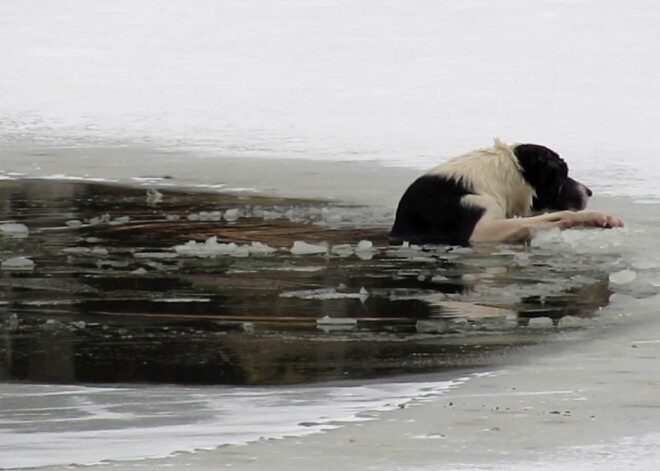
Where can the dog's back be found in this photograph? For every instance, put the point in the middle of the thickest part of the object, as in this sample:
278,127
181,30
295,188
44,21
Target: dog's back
430,212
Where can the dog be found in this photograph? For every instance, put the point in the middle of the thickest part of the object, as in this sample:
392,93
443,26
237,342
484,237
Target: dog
501,194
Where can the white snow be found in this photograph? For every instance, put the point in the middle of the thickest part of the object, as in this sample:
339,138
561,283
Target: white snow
127,423
404,83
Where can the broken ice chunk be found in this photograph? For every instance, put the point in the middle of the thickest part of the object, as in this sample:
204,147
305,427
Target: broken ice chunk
328,323
303,248
154,196
74,223
232,215
623,277
14,230
17,263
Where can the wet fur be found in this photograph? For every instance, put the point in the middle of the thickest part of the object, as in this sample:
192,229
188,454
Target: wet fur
466,199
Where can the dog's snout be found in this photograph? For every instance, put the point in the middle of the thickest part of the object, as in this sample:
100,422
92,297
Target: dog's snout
588,191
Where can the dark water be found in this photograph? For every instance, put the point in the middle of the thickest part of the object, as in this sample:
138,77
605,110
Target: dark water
108,299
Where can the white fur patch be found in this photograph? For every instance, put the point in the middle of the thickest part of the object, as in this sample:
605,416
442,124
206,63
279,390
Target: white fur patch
495,176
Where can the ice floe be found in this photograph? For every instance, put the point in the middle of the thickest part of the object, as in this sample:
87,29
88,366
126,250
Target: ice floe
623,277
327,323
326,294
14,230
17,263
154,196
74,224
107,219
212,248
303,248
232,215
94,251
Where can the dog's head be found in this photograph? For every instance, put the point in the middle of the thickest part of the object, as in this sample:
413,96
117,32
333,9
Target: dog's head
547,173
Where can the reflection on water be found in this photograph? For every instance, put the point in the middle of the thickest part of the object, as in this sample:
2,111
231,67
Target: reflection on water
109,299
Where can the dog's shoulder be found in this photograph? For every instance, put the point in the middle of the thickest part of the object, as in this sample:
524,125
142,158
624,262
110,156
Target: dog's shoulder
493,172
431,211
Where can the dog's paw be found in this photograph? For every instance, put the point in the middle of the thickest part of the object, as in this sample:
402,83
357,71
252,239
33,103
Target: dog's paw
595,219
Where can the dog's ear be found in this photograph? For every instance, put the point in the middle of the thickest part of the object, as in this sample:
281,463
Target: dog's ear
544,171
542,168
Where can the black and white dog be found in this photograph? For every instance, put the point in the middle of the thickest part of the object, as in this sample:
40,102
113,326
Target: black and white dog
499,194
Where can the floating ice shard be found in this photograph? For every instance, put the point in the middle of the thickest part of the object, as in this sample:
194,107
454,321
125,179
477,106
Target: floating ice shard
210,216
521,260
158,255
623,277
77,250
326,294
303,248
365,250
232,215
211,248
540,323
120,220
241,251
259,248
74,223
327,320
439,279
342,250
154,196
331,216
646,264
14,230
365,246
105,219
17,263
328,323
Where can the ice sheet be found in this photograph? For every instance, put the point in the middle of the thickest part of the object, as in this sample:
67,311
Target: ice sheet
405,84
59,425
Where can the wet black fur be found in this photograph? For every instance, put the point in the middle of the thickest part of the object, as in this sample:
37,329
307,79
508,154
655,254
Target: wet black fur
430,211
547,173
